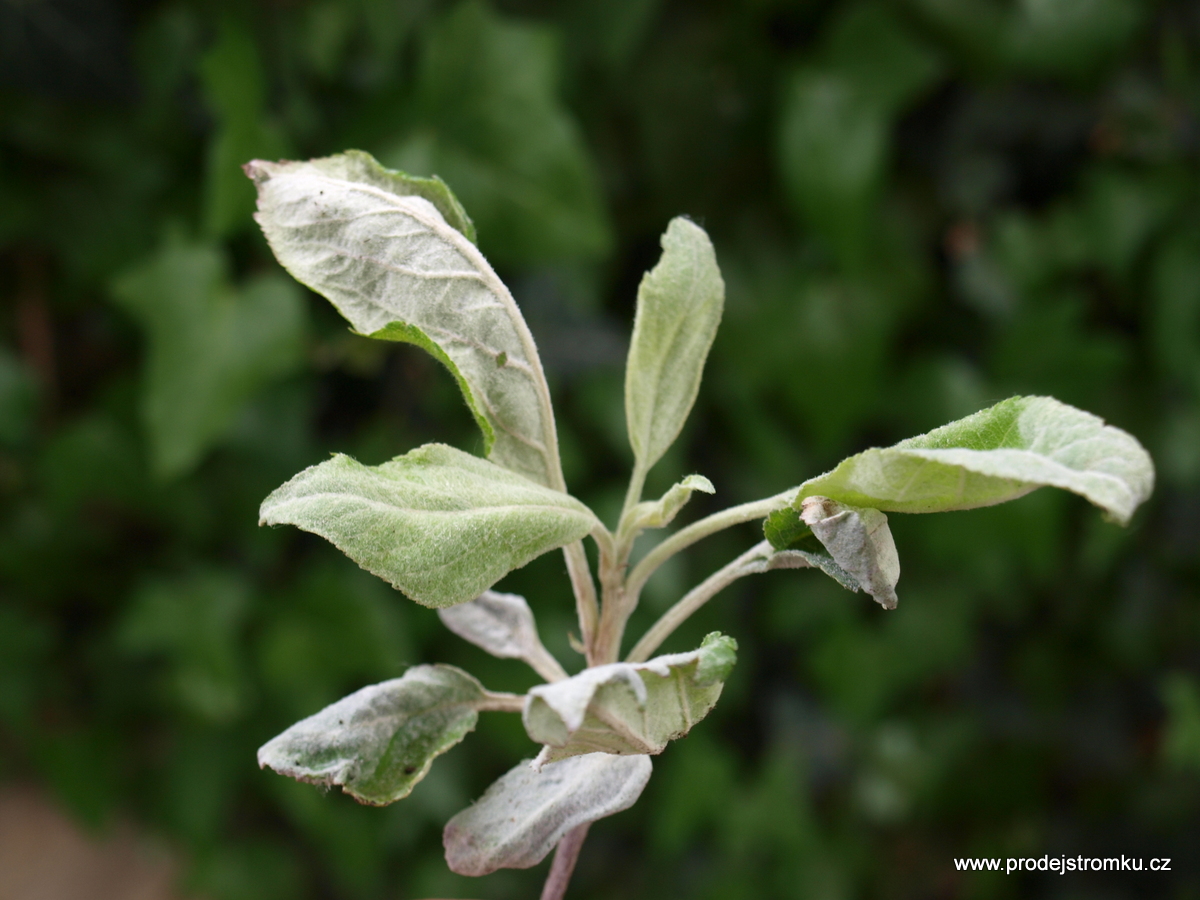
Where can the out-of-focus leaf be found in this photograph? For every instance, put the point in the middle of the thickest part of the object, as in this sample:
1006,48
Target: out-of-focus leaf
503,625
860,543
629,708
661,512
380,741
235,89
439,524
194,624
374,244
1181,740
211,346
490,124
678,310
1175,317
18,399
994,455
526,813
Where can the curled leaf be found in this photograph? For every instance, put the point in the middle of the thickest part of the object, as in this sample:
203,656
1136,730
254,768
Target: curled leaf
860,543
380,741
392,253
995,455
629,708
526,812
661,512
503,625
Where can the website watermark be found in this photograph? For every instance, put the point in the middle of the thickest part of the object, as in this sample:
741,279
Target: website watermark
1064,864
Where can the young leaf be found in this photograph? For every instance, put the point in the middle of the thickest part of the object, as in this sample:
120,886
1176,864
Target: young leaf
679,307
438,524
629,708
661,512
860,543
380,741
995,455
526,812
387,251
502,624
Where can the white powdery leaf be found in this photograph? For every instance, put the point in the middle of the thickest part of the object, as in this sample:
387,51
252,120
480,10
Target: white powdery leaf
503,625
995,455
679,307
371,241
860,543
629,708
527,812
380,741
661,512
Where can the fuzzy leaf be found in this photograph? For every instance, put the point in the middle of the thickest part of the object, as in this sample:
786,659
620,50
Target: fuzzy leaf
860,543
526,812
679,307
438,524
629,708
503,625
380,741
660,512
998,454
386,250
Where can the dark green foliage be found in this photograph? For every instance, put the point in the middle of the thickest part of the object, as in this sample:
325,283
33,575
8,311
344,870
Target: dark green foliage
919,207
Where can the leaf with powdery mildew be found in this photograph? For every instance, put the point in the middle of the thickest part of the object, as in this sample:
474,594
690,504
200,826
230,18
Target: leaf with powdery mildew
439,524
860,543
995,455
629,708
524,814
661,512
389,252
380,741
503,625
679,307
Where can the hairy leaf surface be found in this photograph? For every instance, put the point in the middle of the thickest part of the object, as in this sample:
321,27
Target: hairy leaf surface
526,812
998,454
380,741
679,307
437,523
389,251
860,543
503,625
661,512
629,708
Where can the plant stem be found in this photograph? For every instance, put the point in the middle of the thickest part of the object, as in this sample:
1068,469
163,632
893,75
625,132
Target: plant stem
735,515
753,560
586,607
565,858
498,701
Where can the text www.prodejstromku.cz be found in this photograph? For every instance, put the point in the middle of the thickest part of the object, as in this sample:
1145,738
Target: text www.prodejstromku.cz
1064,864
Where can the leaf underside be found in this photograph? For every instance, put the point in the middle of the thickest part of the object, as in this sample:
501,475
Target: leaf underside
524,814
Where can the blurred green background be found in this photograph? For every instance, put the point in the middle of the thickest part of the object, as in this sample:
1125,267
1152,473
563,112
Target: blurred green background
920,207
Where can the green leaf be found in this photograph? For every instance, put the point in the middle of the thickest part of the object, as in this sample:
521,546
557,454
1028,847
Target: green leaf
629,708
384,253
489,121
524,814
784,527
678,310
503,625
212,346
995,455
438,524
859,542
380,741
661,512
